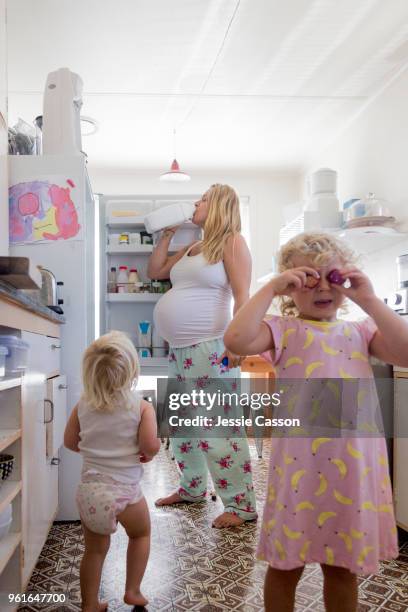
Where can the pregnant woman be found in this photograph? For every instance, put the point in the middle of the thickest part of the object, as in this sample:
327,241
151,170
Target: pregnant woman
192,317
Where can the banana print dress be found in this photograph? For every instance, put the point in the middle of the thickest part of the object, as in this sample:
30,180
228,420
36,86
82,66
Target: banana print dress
329,499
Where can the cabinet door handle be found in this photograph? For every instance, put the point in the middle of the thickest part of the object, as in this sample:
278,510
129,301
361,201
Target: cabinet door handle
52,411
55,461
62,386
55,346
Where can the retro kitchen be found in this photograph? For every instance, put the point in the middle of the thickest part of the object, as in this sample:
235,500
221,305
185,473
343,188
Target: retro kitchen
208,194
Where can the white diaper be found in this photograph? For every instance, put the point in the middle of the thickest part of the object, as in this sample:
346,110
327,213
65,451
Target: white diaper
100,499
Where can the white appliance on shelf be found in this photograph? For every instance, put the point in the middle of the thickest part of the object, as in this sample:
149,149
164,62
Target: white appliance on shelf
120,218
72,261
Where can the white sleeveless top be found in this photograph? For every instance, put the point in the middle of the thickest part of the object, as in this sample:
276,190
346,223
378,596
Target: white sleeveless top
198,306
108,442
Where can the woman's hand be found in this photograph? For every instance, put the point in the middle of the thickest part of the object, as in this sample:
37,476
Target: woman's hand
293,279
170,231
144,458
360,289
234,361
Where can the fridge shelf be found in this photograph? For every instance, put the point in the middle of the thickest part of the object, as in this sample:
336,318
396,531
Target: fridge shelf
129,222
153,362
133,297
129,248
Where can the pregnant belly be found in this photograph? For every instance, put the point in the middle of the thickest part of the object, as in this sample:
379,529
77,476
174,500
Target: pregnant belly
184,318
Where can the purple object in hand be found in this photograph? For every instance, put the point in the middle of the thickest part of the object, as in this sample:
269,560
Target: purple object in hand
335,278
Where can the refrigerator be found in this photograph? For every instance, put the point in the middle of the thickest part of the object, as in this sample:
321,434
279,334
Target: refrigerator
52,221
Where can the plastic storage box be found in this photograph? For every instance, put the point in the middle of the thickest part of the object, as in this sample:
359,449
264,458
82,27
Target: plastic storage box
16,360
6,518
3,355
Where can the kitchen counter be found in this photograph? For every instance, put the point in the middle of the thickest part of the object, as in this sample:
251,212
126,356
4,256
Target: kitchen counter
9,293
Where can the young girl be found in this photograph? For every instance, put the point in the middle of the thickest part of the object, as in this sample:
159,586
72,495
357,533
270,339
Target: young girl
114,431
329,500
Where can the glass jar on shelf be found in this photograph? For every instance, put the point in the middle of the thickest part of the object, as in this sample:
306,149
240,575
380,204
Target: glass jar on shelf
112,280
122,280
133,279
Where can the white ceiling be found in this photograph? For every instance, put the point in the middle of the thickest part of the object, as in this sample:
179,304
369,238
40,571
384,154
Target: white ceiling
248,84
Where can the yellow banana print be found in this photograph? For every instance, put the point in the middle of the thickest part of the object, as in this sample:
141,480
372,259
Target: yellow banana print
317,442
366,471
309,339
354,452
285,336
287,459
357,535
271,494
385,482
364,552
304,549
269,525
382,460
384,508
280,549
347,332
336,422
342,467
368,505
292,535
345,375
312,367
358,355
329,350
334,388
304,505
347,540
347,501
315,410
369,427
294,481
292,361
324,516
322,485
280,506
329,556
279,471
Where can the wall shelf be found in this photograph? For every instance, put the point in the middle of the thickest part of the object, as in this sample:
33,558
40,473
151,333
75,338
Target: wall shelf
133,297
7,437
10,383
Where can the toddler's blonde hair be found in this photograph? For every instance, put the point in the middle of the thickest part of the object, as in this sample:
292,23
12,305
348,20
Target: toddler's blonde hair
319,248
110,367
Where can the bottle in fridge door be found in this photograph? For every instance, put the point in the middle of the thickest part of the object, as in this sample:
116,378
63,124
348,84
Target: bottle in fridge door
122,280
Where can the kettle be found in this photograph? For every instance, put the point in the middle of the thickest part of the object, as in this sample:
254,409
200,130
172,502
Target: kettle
49,292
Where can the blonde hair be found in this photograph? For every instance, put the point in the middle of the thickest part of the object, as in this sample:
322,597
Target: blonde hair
319,249
223,221
110,367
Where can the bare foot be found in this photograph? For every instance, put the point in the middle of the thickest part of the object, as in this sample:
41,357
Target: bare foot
227,519
173,498
135,598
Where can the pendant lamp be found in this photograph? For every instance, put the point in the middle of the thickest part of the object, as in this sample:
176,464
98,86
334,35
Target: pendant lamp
175,175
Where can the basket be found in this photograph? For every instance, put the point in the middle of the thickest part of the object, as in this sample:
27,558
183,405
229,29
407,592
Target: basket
6,466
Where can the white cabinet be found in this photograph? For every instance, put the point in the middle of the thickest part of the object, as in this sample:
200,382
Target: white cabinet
43,417
401,449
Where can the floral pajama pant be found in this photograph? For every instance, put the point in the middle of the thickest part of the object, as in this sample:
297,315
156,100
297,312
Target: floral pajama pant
227,459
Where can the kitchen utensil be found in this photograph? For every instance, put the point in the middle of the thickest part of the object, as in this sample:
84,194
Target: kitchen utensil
6,466
49,295
168,216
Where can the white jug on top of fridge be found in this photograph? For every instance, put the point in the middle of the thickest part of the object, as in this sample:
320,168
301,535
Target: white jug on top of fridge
168,216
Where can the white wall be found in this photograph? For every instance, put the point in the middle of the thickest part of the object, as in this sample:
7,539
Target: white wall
372,155
268,194
3,133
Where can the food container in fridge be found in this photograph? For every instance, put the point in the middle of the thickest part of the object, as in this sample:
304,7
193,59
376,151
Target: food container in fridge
6,518
16,360
3,355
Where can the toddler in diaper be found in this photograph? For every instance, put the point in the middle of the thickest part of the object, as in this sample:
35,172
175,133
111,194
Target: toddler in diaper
115,431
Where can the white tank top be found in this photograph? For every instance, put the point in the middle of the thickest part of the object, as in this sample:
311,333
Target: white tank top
198,306
109,442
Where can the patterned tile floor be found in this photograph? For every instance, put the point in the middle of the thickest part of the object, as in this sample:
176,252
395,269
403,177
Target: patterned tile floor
194,567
